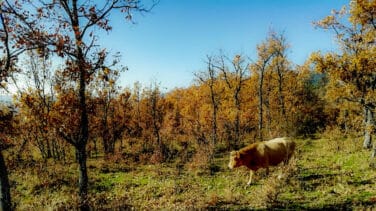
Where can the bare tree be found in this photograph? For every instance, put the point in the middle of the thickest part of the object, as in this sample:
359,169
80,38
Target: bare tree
281,67
234,76
209,78
260,67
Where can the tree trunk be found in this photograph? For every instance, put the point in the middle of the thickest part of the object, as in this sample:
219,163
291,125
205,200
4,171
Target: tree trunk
283,121
82,140
214,120
106,140
156,115
83,177
267,107
260,93
5,199
81,148
237,129
106,136
368,120
237,117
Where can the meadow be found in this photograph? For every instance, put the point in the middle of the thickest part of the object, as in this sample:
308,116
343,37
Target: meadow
323,174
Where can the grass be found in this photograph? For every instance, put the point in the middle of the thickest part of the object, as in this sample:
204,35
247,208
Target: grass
323,175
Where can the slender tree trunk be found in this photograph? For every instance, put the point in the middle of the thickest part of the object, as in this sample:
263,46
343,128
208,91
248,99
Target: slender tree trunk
106,136
5,199
106,140
155,115
49,148
237,128
267,107
281,99
261,101
368,120
214,120
237,117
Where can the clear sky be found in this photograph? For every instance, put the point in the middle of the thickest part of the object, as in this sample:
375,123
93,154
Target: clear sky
171,42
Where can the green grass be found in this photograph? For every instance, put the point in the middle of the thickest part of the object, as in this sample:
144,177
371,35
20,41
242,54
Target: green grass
321,176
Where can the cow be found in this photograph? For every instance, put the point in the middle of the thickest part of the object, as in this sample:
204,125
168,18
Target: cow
262,155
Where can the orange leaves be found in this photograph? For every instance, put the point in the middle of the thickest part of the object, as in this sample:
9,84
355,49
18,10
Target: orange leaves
60,44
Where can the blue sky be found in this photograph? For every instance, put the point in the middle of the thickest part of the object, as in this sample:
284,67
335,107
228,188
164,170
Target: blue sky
171,42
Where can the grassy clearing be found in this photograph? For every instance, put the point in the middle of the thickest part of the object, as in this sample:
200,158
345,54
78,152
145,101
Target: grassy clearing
323,174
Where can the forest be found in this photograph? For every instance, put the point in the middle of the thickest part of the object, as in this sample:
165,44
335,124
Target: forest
74,138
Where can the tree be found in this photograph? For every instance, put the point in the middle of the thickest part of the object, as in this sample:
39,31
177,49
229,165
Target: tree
67,29
234,76
265,52
351,71
6,63
5,127
210,78
36,106
193,103
13,27
136,129
106,91
153,114
280,66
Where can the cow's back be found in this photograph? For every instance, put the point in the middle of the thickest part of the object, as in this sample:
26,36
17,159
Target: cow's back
278,150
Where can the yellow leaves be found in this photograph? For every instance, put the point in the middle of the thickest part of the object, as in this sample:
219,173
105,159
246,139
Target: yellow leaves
362,11
111,82
106,71
351,71
320,62
57,87
332,20
40,51
326,22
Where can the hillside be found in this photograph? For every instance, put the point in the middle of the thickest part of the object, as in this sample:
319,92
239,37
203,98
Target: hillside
323,174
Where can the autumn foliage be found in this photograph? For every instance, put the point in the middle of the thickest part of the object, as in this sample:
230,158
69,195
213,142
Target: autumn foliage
78,108
234,101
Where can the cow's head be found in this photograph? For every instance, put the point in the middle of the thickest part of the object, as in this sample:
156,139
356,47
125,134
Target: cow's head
235,160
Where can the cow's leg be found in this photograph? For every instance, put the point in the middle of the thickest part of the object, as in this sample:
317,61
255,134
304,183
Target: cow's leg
250,177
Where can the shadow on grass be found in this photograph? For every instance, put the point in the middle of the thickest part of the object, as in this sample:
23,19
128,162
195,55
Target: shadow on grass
315,176
291,205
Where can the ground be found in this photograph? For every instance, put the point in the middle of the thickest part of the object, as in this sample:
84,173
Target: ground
324,174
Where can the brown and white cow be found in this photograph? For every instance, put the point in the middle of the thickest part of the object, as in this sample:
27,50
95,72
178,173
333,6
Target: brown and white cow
262,155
